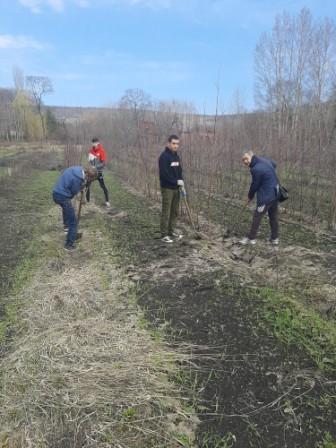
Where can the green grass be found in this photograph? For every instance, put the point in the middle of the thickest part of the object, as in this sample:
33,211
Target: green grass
327,442
295,325
33,197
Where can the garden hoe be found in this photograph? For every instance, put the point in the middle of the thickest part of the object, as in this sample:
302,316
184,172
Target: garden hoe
184,196
79,234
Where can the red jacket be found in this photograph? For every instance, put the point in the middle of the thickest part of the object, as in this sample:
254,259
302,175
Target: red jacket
97,156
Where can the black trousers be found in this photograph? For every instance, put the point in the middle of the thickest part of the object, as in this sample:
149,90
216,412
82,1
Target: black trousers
102,185
272,210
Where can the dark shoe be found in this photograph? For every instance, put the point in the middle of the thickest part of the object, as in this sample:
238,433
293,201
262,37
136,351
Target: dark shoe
79,236
69,247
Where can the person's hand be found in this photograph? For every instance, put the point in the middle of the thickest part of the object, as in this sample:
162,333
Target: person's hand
180,183
183,192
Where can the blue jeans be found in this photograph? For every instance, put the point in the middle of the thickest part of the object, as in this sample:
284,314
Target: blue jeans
69,217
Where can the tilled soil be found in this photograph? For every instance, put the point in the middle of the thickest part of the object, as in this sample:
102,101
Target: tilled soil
250,390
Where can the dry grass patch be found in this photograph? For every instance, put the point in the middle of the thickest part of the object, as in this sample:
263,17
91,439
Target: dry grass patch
84,373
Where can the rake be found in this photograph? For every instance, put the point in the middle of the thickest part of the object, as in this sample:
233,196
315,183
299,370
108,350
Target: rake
184,197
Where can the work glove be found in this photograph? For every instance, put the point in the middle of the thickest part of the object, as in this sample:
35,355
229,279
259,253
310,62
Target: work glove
180,183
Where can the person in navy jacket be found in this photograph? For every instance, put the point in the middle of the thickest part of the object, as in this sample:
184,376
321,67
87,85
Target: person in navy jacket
265,186
171,180
71,182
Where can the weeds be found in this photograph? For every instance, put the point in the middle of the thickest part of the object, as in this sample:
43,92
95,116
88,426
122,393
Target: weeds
295,325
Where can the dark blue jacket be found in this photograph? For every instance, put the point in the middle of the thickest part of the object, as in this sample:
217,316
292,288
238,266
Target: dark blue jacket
170,169
264,180
70,182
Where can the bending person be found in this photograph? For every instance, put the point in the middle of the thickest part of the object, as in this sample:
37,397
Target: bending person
266,186
71,182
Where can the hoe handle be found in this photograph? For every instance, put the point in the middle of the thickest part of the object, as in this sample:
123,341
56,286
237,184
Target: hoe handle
80,206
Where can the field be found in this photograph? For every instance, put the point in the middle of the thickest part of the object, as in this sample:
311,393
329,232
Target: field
130,343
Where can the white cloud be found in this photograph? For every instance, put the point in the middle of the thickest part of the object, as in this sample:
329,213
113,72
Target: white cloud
36,5
19,42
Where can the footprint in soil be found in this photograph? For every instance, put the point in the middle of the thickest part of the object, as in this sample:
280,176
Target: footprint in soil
115,213
56,265
238,254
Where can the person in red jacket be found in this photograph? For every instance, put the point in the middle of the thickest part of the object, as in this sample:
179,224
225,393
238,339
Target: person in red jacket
97,158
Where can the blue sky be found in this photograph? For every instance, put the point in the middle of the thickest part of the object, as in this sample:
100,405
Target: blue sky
93,50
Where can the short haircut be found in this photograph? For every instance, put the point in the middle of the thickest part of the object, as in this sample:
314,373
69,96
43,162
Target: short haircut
247,151
172,137
95,140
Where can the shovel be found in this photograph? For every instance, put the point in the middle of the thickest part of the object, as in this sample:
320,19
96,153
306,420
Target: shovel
184,197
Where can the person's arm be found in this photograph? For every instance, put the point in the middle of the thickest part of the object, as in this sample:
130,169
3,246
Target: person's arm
102,158
180,170
256,180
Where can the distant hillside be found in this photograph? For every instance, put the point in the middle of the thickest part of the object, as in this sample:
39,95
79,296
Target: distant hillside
74,113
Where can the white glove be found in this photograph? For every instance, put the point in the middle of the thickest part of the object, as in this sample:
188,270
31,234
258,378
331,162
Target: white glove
180,183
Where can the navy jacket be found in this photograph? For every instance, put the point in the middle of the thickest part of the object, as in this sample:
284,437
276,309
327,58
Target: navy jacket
170,169
70,182
264,180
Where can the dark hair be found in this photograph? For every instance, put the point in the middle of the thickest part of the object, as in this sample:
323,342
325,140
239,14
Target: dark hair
172,137
95,140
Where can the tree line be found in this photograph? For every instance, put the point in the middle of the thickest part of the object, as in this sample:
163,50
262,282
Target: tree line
22,115
295,124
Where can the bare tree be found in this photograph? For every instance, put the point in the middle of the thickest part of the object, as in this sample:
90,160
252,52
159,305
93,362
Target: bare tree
135,99
39,86
18,78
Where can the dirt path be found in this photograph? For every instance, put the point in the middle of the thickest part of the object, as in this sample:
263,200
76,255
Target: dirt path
81,368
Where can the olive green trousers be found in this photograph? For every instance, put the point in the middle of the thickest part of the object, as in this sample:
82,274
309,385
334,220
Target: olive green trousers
170,206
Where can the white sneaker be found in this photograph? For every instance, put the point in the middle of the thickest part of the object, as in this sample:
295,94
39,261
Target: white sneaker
167,239
246,241
178,236
275,242
107,204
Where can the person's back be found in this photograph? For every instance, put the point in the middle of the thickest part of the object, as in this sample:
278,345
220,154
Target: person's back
266,186
264,180
70,182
